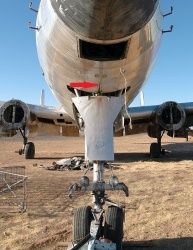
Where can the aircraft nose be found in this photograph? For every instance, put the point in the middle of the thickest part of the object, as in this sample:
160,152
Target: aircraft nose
105,19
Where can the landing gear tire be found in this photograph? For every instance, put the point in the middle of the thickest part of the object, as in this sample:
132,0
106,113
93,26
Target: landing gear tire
154,150
113,229
29,150
82,221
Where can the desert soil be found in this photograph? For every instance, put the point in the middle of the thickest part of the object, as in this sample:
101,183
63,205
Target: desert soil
159,209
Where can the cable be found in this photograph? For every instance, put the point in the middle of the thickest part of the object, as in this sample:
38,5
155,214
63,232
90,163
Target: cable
130,121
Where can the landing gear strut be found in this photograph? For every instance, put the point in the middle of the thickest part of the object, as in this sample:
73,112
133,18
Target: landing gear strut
28,147
97,229
94,226
155,148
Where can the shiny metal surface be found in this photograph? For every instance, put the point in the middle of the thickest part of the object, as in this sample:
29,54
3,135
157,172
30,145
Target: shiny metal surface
59,55
105,19
99,113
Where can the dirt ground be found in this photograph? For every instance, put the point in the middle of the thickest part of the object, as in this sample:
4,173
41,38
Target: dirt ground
159,209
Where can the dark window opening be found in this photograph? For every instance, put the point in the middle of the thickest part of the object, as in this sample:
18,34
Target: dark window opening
114,93
103,52
81,92
61,120
117,92
45,120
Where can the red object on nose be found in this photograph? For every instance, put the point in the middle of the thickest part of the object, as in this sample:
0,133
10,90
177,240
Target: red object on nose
84,85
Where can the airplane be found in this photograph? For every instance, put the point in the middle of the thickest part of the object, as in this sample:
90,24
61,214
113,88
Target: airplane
96,56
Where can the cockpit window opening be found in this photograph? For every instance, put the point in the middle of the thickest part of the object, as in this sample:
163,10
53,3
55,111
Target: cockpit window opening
103,52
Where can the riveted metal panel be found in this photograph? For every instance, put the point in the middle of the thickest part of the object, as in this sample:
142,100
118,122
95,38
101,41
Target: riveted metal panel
59,55
104,19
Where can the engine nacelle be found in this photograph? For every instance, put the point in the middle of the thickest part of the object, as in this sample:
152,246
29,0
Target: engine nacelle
14,114
171,116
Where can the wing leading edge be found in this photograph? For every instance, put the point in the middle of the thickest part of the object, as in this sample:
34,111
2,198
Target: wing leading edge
171,116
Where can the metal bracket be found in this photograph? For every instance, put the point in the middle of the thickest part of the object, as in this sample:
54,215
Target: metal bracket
30,27
98,186
30,7
169,13
93,244
165,31
171,27
73,188
82,242
111,203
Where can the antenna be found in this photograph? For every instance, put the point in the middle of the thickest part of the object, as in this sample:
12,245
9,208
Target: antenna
142,102
42,98
30,7
33,28
171,27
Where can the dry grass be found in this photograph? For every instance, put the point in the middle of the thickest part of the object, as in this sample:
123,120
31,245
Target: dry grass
158,211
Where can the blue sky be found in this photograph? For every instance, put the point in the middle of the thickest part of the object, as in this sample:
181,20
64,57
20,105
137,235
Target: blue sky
20,73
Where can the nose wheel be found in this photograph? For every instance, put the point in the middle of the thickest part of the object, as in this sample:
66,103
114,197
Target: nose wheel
82,221
87,226
113,229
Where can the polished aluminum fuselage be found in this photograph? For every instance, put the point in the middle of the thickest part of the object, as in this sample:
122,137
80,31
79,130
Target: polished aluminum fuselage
58,49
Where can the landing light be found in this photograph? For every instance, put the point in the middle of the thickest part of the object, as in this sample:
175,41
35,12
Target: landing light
113,180
84,181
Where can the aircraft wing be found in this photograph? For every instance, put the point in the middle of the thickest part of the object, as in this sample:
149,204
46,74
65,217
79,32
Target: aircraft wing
15,115
38,119
174,118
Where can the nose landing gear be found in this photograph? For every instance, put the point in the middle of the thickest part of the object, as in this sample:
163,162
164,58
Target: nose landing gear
95,228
